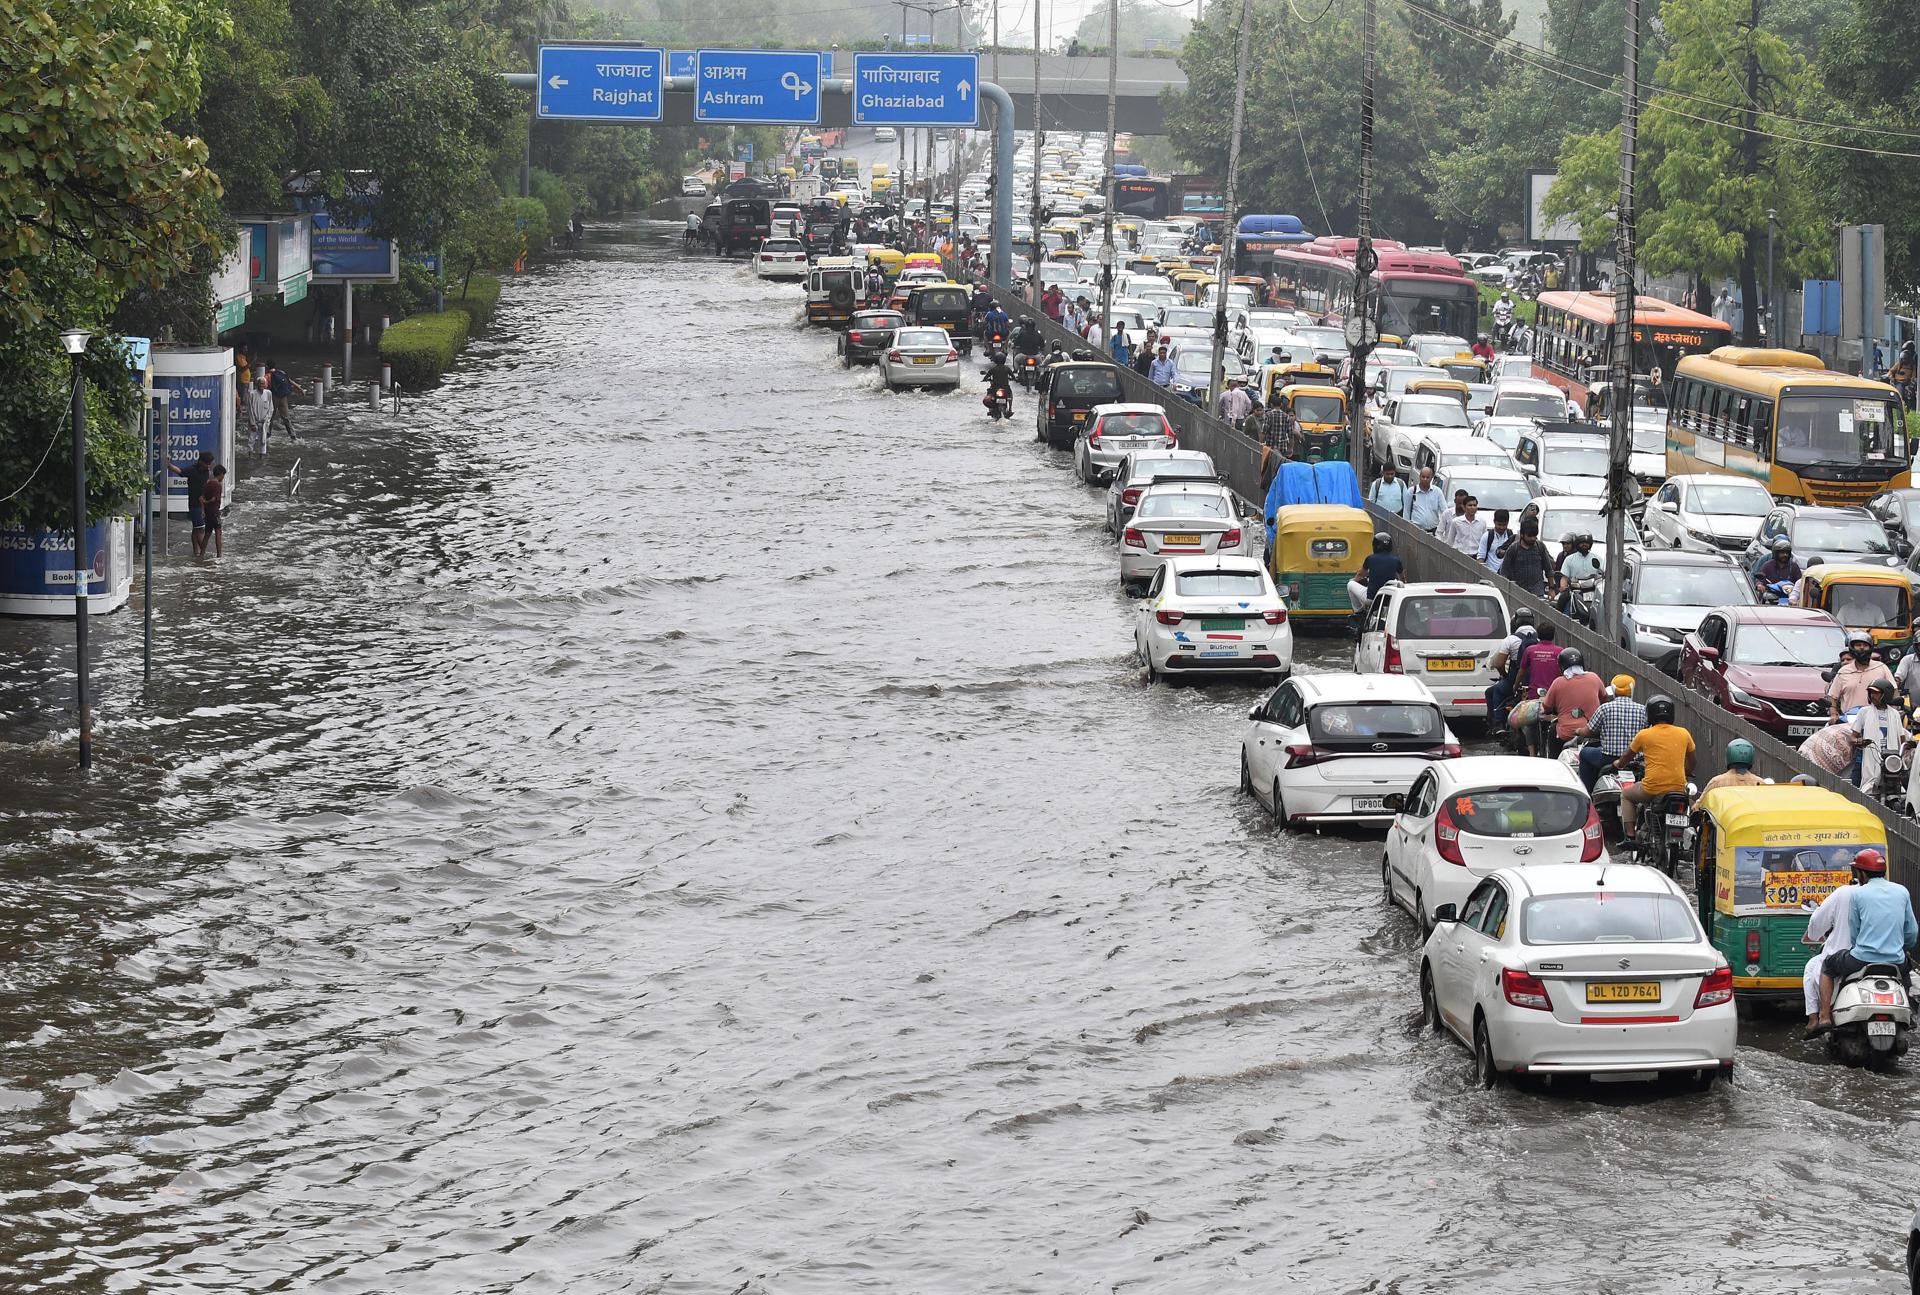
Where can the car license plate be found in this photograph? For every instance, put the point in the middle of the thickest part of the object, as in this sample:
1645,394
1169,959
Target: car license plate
1676,820
1880,1027
1188,541
1221,652
1803,730
925,359
1369,804
1450,663
1623,991
1079,415
1221,623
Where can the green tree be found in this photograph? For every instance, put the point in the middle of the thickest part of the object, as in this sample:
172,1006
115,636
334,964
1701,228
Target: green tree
1874,80
1144,24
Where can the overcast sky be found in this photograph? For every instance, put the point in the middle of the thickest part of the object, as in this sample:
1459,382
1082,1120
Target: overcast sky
1058,18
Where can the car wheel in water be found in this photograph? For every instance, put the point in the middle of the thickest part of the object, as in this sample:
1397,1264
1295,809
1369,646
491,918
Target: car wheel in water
1429,1002
1420,914
1246,775
1279,807
1386,878
1485,1072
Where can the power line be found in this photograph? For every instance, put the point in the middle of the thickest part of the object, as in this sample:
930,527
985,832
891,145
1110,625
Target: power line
57,428
1326,222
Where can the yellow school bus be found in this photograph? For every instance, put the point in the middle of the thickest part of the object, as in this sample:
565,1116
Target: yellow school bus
1787,421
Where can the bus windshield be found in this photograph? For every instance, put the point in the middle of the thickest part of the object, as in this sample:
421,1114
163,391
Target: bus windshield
1410,306
1835,429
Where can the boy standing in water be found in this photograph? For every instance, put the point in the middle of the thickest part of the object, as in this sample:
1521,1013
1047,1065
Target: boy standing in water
210,503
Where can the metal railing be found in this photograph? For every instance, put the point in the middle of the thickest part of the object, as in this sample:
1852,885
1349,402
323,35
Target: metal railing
1238,458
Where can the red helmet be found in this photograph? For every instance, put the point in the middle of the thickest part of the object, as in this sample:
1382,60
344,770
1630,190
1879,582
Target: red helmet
1870,861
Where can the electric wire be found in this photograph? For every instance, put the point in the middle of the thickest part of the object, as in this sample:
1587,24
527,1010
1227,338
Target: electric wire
65,416
1326,222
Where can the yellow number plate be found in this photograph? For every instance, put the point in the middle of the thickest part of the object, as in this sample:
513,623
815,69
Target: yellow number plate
1450,663
1186,541
925,359
1623,991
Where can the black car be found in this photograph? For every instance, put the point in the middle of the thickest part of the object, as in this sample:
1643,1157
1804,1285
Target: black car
1816,531
744,224
1899,511
942,305
868,333
1073,389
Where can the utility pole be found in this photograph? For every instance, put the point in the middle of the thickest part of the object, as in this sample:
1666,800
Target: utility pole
1773,298
1033,261
1360,325
1229,235
1750,167
1621,488
900,172
1107,255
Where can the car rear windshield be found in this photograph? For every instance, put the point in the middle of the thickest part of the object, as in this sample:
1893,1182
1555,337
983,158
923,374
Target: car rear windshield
1080,384
1517,811
1133,425
1433,413
1840,535
1530,406
1192,317
887,320
1659,585
1492,494
1574,460
1452,616
923,337
1219,584
1604,918
831,279
1183,505
1148,469
941,300
1375,721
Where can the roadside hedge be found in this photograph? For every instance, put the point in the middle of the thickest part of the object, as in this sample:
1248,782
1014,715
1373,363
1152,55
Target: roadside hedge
422,347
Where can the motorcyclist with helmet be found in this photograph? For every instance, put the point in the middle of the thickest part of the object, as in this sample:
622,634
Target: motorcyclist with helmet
1381,568
1739,772
1878,730
1503,316
1579,569
1054,358
1506,667
977,307
1483,347
995,326
1778,568
1026,337
999,379
1858,672
1571,700
1884,931
1669,753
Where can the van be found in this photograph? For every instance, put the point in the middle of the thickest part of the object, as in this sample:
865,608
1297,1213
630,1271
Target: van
943,305
1442,634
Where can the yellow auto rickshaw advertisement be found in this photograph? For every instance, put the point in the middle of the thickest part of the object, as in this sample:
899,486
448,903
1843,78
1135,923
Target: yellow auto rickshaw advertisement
1788,875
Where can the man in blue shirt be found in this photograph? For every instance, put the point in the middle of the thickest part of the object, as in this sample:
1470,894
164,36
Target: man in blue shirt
1390,492
1161,371
1883,930
1424,502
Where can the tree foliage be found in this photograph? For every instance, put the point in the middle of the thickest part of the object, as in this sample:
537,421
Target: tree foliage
1875,80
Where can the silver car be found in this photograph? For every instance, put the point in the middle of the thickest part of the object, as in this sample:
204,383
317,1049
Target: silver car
1667,593
1706,512
1114,432
920,357
1138,471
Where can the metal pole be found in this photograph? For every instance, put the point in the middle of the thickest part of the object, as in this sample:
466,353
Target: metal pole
996,40
346,340
1621,490
1106,237
900,179
1773,299
82,568
166,451
1229,235
1364,259
1001,268
1033,260
152,414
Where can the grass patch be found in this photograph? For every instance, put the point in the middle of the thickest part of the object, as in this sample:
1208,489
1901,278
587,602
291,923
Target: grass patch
1523,310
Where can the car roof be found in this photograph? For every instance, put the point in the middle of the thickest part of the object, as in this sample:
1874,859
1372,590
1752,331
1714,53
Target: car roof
1211,484
1715,479
1775,615
1455,438
1505,771
1542,879
1124,407
1346,686
1659,557
1482,472
1526,386
1425,587
1824,510
1216,562
1572,503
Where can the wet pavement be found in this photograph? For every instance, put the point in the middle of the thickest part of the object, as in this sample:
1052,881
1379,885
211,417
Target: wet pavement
663,814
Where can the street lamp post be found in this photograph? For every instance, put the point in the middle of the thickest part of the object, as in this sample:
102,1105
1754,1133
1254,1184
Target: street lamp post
1773,299
75,341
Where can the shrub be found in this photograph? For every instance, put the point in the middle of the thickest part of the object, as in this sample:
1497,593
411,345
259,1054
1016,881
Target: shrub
423,347
479,301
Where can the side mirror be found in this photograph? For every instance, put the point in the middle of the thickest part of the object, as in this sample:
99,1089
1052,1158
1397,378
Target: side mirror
1253,712
1447,913
1709,654
1828,673
1395,801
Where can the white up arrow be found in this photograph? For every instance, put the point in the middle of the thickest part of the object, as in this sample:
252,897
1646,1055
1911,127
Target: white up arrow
963,88
556,81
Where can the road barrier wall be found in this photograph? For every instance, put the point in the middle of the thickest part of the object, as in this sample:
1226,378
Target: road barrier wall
1237,457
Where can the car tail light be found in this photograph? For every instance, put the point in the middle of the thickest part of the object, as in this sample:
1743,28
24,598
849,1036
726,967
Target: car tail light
1753,945
1133,539
1446,838
1591,842
1169,618
1716,989
1230,540
1303,755
894,355
1130,496
953,357
1093,437
853,335
1274,616
1393,664
1523,989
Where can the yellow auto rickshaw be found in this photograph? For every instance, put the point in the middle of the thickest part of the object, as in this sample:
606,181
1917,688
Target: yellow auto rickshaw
1275,378
1465,367
1193,285
1255,282
1763,858
1861,596
923,261
1142,265
1067,256
1317,548
1438,386
1316,418
1069,234
888,260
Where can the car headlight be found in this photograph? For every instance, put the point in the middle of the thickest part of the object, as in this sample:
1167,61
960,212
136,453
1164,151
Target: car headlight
1663,633
1740,697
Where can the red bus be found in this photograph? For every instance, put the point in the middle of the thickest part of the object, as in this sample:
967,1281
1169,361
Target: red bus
1571,329
1413,292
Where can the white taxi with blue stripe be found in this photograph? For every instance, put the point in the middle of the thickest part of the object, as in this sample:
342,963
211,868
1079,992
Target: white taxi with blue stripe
1213,615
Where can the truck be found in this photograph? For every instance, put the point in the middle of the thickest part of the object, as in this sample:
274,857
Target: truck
807,186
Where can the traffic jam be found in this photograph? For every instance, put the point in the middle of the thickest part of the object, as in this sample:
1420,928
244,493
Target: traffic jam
1601,899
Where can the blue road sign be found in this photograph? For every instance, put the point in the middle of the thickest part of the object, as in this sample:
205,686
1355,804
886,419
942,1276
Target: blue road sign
916,89
757,86
601,83
680,62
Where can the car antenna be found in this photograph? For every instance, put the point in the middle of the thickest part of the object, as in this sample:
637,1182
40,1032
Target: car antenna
1603,876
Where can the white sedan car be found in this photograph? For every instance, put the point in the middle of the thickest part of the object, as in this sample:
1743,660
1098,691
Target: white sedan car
1465,818
1213,615
1178,518
1114,432
1333,747
781,258
920,357
1545,972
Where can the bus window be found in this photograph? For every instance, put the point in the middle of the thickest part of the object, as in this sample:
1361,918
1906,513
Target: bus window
1763,427
1740,433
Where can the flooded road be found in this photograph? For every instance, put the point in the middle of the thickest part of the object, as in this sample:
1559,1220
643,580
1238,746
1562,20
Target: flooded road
665,815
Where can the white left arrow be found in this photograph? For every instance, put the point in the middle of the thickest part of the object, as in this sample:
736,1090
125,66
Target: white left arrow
556,81
963,88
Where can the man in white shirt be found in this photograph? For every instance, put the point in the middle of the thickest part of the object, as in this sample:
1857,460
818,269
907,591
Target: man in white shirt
1878,731
1830,928
1465,531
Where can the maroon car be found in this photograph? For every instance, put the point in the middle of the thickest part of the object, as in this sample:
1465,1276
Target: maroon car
1764,664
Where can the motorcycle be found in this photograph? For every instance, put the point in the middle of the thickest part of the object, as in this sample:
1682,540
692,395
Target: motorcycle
999,403
1606,788
1872,1018
1026,370
1663,830
1779,591
1577,603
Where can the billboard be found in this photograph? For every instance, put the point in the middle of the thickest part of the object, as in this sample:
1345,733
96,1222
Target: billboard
349,253
1539,229
232,283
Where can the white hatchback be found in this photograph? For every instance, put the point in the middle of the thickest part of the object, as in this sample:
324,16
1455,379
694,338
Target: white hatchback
1212,615
1334,747
1115,431
781,258
1541,971
1465,818
1442,634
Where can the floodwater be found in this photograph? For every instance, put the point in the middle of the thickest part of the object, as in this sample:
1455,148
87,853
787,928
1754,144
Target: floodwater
663,814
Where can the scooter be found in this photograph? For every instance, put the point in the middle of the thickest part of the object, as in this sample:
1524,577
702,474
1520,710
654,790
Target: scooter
1606,788
1780,591
1579,601
1663,835
1872,1018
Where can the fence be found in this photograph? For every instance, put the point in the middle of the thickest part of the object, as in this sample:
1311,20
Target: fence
1238,459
